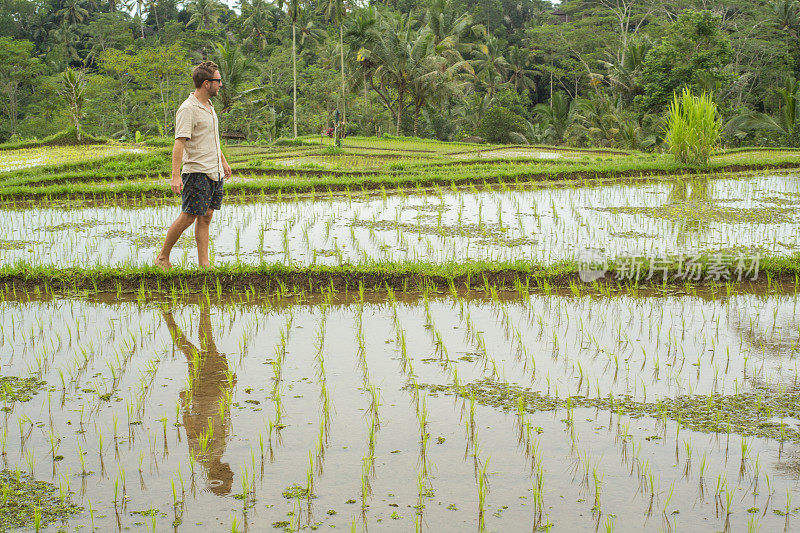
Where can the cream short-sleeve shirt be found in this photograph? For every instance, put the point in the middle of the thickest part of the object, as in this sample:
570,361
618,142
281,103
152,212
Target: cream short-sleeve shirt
199,125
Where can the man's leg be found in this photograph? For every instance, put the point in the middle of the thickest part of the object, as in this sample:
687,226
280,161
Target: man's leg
174,232
201,236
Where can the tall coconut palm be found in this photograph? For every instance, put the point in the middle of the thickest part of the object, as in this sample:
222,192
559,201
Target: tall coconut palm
558,115
138,6
294,7
391,57
68,39
257,18
361,31
233,65
447,25
520,75
432,78
73,12
489,63
204,13
787,121
335,12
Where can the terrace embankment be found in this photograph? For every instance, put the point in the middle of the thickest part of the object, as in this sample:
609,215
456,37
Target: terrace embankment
783,272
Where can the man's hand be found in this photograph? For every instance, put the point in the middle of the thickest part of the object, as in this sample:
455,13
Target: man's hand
226,168
176,183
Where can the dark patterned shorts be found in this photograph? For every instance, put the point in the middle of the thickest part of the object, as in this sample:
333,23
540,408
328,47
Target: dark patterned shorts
200,193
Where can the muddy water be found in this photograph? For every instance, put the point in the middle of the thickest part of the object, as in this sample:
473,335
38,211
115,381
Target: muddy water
731,216
166,372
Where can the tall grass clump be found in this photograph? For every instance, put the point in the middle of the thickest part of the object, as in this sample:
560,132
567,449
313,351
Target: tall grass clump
693,127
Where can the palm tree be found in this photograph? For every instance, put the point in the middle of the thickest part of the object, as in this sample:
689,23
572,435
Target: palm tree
113,5
624,70
361,32
787,122
787,16
598,116
294,13
490,65
257,18
139,11
520,75
427,75
405,62
335,12
204,13
233,65
447,27
433,79
152,9
73,12
392,56
558,115
66,36
361,28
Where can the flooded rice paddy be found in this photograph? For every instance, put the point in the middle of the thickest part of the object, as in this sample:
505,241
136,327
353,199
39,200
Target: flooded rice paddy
52,155
406,412
755,214
514,153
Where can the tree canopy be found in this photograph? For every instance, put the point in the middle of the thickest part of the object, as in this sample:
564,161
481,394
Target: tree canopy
582,72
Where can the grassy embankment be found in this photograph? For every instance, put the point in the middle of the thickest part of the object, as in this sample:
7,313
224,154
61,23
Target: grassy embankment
485,276
365,164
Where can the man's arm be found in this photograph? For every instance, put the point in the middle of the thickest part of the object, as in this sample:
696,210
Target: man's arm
177,158
226,168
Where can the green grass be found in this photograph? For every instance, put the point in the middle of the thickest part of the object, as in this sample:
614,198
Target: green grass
67,137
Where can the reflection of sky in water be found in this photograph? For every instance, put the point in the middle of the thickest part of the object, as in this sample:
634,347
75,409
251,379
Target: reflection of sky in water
645,346
34,157
509,154
543,225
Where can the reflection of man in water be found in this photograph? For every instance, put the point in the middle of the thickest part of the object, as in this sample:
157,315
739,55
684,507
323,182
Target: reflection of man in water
201,403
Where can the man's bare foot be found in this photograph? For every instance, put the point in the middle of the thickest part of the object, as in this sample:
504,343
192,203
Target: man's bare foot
162,263
208,266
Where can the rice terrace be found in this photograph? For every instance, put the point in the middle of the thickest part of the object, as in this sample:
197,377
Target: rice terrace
399,335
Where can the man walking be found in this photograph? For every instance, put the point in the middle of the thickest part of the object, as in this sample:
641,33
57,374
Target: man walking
201,180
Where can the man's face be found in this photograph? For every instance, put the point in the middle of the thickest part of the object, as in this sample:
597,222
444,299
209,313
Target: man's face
214,84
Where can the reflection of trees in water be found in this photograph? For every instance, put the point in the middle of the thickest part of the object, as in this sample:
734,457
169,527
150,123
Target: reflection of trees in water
685,193
206,409
788,462
771,328
769,331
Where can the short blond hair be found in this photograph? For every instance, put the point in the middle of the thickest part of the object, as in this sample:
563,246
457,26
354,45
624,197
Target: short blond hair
203,72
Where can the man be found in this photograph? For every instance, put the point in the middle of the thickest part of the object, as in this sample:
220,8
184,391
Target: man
197,147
